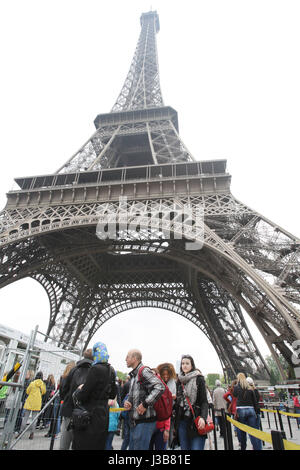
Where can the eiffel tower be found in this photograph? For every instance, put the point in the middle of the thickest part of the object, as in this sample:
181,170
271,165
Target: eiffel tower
133,167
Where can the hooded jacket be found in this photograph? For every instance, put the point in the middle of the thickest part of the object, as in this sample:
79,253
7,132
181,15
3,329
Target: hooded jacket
35,390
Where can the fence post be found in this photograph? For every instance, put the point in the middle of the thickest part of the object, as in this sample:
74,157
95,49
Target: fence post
228,444
214,421
280,421
277,440
228,431
57,411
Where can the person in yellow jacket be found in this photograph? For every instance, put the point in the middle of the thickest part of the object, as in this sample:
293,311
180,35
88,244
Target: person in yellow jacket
33,403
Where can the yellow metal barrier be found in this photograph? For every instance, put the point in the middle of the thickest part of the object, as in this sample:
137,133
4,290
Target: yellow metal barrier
263,436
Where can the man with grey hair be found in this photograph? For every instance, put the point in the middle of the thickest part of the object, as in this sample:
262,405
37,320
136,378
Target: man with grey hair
219,403
145,390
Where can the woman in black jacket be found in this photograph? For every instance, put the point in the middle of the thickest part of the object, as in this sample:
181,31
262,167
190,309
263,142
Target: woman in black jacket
190,384
247,408
93,395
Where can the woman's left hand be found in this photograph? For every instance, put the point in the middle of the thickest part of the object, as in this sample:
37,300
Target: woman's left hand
201,423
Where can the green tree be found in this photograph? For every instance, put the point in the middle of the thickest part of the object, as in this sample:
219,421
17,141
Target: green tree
275,377
211,379
121,375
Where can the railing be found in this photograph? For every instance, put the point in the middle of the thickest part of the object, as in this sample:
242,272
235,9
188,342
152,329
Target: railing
277,438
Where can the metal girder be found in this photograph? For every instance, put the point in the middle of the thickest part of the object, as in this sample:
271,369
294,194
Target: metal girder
133,166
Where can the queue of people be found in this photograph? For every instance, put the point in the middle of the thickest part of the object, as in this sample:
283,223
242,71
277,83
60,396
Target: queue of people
93,405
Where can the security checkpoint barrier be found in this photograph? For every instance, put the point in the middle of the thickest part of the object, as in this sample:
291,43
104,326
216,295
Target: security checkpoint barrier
276,438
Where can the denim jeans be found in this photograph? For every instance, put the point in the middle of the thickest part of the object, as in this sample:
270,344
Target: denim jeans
140,436
157,440
195,443
126,435
248,416
109,440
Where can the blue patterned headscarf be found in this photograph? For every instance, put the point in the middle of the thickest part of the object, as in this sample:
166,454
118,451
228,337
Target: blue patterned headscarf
100,353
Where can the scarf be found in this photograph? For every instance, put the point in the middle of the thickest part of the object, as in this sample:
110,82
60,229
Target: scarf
100,353
190,389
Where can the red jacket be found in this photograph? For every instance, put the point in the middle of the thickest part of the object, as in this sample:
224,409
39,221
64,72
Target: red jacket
232,408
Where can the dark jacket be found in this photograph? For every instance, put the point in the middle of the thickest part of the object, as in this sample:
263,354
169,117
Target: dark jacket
246,397
99,387
69,384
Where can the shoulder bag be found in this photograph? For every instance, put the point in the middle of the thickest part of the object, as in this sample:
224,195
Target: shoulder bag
81,418
209,425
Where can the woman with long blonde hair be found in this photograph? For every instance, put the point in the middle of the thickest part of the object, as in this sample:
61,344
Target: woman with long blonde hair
246,410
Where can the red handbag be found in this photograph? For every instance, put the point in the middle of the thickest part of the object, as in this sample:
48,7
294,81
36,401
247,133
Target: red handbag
209,425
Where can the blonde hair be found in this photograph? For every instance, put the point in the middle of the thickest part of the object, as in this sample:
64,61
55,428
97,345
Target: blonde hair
68,368
51,379
241,378
30,374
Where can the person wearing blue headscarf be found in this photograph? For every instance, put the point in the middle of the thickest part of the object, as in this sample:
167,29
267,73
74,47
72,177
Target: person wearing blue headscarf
93,395
100,354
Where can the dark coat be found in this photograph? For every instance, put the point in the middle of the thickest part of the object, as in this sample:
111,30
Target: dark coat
69,384
99,387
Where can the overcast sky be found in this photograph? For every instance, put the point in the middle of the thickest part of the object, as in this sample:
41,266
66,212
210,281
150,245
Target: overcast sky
231,70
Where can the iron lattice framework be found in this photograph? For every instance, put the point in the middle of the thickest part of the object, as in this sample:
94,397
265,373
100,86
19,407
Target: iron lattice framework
247,263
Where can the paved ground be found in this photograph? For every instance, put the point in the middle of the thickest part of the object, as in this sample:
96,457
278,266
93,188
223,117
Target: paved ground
43,443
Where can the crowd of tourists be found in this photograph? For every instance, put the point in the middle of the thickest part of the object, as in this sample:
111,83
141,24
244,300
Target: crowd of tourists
94,405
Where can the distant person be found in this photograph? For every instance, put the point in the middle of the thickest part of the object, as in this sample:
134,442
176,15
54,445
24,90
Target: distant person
33,404
93,395
246,410
296,405
145,390
28,379
44,419
231,402
219,403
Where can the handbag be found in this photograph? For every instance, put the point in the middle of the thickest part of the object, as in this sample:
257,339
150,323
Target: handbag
209,425
80,418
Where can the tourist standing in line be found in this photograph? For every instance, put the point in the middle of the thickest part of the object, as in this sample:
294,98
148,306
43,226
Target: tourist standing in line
163,435
231,403
219,404
145,390
113,423
93,395
73,376
246,410
33,403
190,384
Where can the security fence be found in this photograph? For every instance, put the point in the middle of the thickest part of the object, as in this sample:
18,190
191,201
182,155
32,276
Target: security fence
24,357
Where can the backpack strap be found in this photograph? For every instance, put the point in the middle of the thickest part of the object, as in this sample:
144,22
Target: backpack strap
140,373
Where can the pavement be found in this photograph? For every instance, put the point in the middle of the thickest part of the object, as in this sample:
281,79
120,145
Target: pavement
40,442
